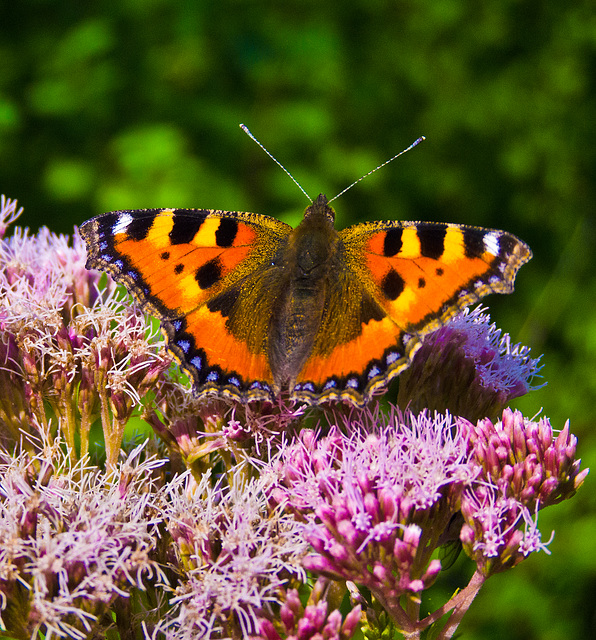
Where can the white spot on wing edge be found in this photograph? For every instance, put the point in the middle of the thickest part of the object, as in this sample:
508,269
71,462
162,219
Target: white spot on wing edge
121,225
491,243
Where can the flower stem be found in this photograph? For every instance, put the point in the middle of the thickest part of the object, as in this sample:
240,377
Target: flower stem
459,604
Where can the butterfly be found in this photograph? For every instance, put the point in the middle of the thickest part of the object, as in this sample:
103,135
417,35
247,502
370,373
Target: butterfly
253,309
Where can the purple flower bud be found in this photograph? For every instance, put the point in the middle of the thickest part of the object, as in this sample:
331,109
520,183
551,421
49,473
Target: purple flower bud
468,368
320,541
387,502
290,609
351,622
267,630
381,573
339,553
348,532
371,504
333,625
416,586
363,481
412,535
328,514
433,570
320,565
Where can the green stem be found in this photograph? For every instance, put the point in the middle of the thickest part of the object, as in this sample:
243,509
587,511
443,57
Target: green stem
459,604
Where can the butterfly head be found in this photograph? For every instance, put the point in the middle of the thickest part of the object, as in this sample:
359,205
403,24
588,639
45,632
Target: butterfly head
320,209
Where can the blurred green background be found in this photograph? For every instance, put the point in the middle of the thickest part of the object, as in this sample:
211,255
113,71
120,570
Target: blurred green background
118,104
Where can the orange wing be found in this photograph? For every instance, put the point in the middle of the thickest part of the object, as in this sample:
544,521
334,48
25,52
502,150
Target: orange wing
197,271
401,281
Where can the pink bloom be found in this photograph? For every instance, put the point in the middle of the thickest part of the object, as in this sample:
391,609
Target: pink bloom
469,368
525,466
368,498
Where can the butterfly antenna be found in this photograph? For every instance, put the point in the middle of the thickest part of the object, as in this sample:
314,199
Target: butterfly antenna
416,142
277,162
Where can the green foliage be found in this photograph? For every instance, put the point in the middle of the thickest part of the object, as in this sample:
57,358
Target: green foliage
111,105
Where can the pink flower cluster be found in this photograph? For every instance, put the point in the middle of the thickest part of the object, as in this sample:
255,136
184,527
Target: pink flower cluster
230,547
314,621
66,343
525,467
379,499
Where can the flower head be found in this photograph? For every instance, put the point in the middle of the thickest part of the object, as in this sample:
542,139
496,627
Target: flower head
526,459
67,344
376,501
73,541
297,622
469,368
233,553
524,467
194,428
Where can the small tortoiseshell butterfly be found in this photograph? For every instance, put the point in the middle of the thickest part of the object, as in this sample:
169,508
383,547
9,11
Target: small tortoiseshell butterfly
253,308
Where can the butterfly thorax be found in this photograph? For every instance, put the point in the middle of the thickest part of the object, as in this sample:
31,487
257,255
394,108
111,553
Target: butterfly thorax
305,261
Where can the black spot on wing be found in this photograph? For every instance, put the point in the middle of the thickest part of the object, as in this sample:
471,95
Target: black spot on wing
226,232
224,302
507,244
185,225
421,283
105,223
165,255
370,310
432,239
209,273
392,285
140,225
474,242
179,268
393,243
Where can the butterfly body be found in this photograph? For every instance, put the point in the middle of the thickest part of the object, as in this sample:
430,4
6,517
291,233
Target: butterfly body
252,308
305,272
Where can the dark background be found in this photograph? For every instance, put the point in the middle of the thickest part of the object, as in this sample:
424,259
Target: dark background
127,104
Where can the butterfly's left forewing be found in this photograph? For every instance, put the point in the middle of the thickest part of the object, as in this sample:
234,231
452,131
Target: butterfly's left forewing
195,269
414,277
